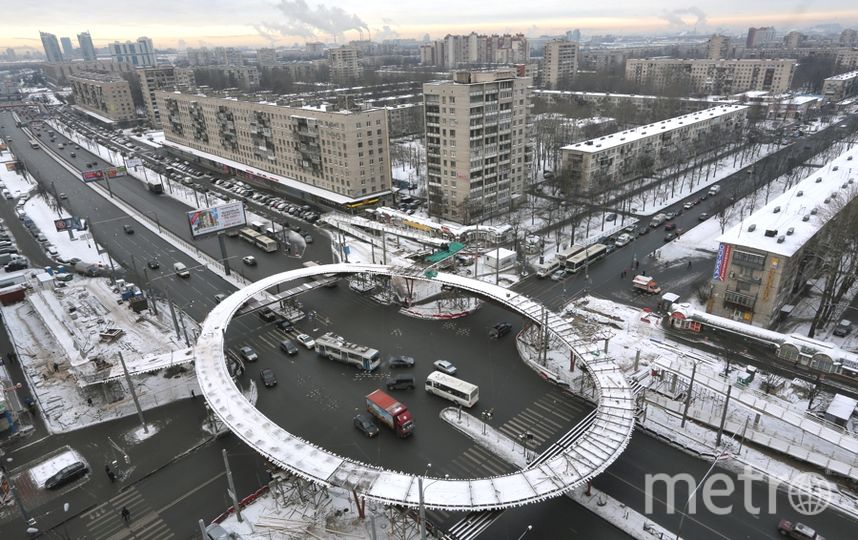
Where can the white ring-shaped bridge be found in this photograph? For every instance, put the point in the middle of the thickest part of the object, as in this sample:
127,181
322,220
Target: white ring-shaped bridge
598,447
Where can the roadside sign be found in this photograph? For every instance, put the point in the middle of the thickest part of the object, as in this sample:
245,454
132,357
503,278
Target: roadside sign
134,162
69,223
91,176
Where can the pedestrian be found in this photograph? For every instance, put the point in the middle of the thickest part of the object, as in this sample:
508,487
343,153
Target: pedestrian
637,264
56,367
126,514
110,473
89,401
192,393
689,265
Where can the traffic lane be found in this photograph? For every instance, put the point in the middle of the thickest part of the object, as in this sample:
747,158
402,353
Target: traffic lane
559,517
27,243
625,480
336,391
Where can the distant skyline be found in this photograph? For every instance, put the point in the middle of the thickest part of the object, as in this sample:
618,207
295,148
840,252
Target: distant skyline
260,23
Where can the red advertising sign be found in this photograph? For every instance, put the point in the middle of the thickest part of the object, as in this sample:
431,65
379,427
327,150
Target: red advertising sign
91,176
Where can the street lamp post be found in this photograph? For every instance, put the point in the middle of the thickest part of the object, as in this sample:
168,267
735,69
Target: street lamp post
422,508
527,530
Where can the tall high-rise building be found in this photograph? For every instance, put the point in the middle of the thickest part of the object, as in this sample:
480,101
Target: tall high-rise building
476,143
560,63
138,53
266,57
10,54
107,95
574,35
849,37
52,47
152,79
717,47
757,37
86,47
794,40
722,77
68,48
456,50
343,63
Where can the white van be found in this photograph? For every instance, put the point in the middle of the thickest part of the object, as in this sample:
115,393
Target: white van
181,270
714,190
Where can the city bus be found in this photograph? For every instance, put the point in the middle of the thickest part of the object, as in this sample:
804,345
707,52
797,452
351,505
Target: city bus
586,257
248,235
568,253
334,347
453,389
265,244
34,145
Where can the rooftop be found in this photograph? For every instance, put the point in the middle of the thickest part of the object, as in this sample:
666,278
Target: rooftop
650,130
100,76
843,76
788,221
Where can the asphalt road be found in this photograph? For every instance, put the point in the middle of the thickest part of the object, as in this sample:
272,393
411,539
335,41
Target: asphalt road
645,454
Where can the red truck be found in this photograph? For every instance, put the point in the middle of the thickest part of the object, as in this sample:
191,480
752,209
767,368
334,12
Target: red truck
392,413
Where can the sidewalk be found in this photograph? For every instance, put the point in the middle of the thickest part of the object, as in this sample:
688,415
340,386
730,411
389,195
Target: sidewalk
603,505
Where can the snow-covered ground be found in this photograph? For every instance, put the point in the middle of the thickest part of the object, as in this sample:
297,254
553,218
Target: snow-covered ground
63,403
69,244
17,184
55,462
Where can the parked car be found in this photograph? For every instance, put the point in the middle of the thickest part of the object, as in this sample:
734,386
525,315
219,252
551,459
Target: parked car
670,226
306,341
669,236
611,217
797,531
268,378
445,367
67,474
688,205
249,260
365,425
843,328
248,354
703,217
288,346
400,362
500,330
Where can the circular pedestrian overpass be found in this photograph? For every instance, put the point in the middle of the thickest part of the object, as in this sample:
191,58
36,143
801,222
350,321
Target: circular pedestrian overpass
598,446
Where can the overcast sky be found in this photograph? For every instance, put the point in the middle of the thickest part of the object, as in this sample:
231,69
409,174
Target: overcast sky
283,22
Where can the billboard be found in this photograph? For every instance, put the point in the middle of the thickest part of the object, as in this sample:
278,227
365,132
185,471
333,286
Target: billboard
92,176
74,223
722,261
134,162
113,172
216,218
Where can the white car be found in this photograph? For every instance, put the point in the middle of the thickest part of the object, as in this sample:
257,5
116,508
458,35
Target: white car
249,260
623,239
306,341
688,205
445,367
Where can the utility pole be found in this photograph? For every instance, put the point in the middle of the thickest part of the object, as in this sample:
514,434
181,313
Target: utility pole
422,509
133,393
222,244
232,492
723,417
688,396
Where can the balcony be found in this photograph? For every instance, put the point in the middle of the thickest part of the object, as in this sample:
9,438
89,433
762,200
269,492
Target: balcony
739,299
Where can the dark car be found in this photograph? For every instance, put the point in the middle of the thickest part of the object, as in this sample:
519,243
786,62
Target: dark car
500,330
267,314
128,229
669,236
400,362
703,217
401,382
289,347
17,264
67,474
248,354
153,264
366,426
268,378
670,226
643,230
285,325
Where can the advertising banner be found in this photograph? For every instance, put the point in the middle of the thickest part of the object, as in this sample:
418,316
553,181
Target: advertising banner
134,162
721,262
92,176
216,218
74,223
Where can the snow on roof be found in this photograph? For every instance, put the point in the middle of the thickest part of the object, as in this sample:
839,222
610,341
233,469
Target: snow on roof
608,95
500,253
652,130
843,76
841,407
288,182
95,115
785,224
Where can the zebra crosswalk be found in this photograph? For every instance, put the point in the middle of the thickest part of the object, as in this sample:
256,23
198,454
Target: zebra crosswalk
104,522
545,418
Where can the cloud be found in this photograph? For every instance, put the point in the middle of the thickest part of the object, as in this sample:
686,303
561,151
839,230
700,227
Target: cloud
386,32
306,21
675,17
387,20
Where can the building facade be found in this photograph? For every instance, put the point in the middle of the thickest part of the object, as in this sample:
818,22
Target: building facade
242,77
848,38
714,76
52,47
68,48
152,79
477,143
757,37
138,53
598,164
840,86
794,40
559,63
847,59
60,72
456,50
343,64
337,157
765,261
266,57
717,47
105,94
87,49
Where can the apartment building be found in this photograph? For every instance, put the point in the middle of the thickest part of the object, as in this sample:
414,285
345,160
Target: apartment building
598,164
794,40
757,37
151,79
848,38
245,78
185,78
764,262
68,48
52,47
323,154
841,86
87,49
559,63
847,59
477,143
137,53
719,77
104,96
59,73
266,57
456,50
717,47
343,64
